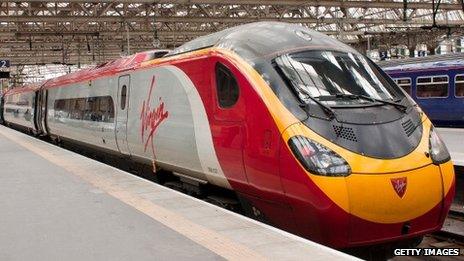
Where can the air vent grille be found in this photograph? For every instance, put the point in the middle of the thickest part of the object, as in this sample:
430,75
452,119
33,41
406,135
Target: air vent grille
345,133
408,127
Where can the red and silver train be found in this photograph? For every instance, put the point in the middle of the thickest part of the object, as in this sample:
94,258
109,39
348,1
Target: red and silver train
306,131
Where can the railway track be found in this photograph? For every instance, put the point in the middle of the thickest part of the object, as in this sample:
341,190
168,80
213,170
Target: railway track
456,214
453,228
450,236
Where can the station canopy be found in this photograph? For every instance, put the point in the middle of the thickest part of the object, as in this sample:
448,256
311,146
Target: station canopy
79,32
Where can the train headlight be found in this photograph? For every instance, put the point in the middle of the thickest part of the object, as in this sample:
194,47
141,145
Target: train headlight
438,151
317,158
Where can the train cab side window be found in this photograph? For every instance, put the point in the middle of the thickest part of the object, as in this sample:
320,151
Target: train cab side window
404,83
432,86
227,87
459,85
123,97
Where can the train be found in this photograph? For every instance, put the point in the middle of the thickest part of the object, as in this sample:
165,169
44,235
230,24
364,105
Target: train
435,82
307,133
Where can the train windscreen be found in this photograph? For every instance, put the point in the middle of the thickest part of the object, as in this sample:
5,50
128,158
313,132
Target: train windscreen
336,78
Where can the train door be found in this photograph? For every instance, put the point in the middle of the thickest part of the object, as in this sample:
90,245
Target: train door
38,112
44,110
122,107
228,124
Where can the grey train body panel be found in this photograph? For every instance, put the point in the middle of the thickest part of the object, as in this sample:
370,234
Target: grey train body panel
91,132
19,109
182,141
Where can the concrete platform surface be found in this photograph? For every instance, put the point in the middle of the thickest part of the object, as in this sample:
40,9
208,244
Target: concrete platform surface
58,205
454,140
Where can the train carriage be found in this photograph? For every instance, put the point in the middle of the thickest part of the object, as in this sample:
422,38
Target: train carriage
436,83
19,107
309,134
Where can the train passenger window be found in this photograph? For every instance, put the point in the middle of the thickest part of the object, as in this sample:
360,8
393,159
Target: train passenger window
60,104
123,97
432,87
404,83
459,85
227,87
78,112
100,109
424,80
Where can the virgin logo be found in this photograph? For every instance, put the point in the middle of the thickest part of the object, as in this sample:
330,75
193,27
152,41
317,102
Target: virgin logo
399,184
151,118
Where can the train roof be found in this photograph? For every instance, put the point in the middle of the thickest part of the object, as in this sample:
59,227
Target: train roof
435,62
111,67
264,39
25,88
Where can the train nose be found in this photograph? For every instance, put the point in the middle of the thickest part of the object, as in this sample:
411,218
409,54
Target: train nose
394,205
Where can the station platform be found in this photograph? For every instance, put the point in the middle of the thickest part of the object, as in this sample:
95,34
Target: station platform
454,140
59,205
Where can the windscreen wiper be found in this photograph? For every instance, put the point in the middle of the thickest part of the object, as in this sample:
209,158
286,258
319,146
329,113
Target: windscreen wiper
327,110
398,106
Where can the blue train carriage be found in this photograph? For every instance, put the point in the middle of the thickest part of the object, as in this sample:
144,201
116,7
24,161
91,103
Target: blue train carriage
436,83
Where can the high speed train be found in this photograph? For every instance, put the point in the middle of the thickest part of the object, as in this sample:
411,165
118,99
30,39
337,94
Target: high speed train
309,134
435,82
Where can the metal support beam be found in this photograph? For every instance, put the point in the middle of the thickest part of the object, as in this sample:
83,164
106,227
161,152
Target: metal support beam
95,31
333,3
228,20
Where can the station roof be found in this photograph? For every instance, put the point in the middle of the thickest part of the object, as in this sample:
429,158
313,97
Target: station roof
76,32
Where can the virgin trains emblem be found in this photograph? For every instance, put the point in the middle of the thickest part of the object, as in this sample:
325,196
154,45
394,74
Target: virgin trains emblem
399,185
151,118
